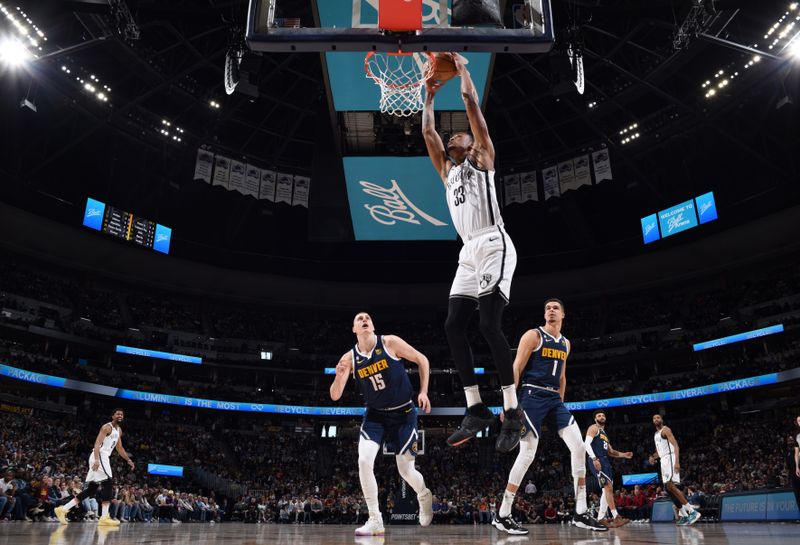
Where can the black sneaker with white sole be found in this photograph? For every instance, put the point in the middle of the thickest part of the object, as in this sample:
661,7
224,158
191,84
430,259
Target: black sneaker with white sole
508,438
586,522
509,526
478,418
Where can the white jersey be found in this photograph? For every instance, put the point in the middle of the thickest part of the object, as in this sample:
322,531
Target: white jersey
110,441
663,447
472,199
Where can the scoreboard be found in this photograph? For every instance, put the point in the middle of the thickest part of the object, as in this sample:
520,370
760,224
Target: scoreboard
126,225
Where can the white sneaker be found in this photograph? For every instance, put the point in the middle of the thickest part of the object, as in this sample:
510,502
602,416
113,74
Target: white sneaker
425,500
373,527
175,521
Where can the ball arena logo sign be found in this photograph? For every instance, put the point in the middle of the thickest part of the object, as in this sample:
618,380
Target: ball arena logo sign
395,205
396,198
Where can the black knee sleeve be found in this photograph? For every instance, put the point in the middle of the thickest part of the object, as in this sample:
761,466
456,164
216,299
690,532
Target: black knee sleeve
459,313
491,319
107,490
90,491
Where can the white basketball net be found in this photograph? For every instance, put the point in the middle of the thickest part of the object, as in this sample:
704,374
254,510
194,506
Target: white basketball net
401,77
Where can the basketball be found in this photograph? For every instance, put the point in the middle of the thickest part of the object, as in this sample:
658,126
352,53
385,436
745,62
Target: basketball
444,69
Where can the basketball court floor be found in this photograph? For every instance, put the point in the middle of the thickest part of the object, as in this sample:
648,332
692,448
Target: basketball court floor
252,534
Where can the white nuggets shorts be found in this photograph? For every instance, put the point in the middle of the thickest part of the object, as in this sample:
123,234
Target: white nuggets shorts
486,263
103,472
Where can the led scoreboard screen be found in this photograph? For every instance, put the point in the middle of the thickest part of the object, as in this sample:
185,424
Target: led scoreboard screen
126,225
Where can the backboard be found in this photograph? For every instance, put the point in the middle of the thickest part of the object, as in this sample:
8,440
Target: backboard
352,25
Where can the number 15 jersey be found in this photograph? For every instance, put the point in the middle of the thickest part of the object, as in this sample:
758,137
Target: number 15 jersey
382,379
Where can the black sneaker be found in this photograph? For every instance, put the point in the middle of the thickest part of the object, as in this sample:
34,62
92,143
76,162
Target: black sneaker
588,523
509,432
509,526
478,417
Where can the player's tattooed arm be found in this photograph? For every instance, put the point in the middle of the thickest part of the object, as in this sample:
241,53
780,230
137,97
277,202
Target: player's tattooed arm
433,142
483,147
342,374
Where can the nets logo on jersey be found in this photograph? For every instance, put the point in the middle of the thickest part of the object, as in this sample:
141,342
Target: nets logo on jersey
485,280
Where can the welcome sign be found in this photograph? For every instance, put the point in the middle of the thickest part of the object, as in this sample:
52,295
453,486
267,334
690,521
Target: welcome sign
397,198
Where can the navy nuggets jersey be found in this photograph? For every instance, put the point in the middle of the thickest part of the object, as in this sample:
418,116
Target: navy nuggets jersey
546,362
600,445
382,379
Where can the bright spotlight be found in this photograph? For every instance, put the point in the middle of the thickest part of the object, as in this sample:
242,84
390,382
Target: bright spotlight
13,53
794,47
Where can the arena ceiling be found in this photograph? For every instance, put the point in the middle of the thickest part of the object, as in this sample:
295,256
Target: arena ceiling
742,142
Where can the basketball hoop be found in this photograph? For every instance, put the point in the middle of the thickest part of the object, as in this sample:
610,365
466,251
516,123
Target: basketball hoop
400,77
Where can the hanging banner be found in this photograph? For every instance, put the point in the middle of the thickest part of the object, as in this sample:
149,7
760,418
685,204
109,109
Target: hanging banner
583,174
236,181
511,189
283,189
528,189
566,176
252,180
204,165
550,182
267,190
302,185
602,166
222,171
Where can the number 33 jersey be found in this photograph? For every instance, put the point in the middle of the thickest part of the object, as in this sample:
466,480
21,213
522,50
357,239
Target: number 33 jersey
382,379
472,199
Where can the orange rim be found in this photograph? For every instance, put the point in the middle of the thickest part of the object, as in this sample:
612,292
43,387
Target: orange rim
370,54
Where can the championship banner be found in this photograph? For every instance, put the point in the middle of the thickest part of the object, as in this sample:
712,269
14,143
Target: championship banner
566,176
511,189
283,189
528,189
204,165
302,186
252,180
267,190
602,166
550,182
236,181
583,174
222,171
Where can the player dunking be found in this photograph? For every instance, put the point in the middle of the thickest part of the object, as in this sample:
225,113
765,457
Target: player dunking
598,449
108,439
391,416
541,364
485,264
668,452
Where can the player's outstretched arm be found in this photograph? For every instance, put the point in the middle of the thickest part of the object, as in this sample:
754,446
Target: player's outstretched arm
483,145
122,452
402,349
433,141
617,454
342,374
527,343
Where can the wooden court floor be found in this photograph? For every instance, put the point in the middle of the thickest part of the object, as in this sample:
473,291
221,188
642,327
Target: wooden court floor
21,533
